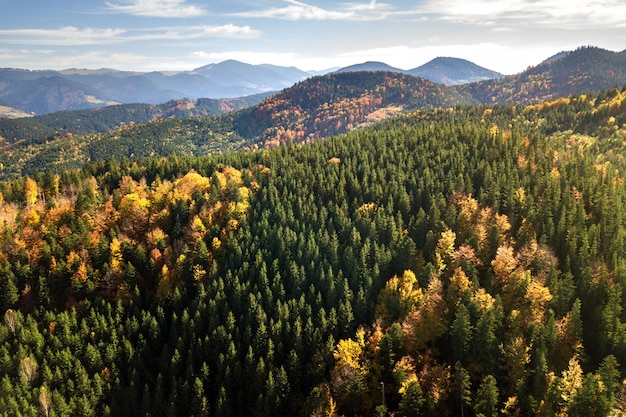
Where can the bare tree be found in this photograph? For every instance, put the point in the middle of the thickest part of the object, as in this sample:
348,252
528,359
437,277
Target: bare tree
29,369
45,401
10,320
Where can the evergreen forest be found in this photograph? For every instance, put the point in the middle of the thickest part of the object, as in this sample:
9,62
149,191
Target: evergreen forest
459,261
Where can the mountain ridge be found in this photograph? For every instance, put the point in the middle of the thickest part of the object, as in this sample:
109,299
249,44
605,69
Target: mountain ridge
226,79
586,69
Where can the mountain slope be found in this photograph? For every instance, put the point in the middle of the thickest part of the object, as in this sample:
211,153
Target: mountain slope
584,70
49,127
44,95
339,102
453,71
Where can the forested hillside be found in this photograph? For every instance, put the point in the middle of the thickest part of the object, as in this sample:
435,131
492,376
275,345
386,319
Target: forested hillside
319,107
54,126
469,260
586,69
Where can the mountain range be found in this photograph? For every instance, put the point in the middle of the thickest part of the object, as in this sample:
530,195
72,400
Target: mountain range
41,92
441,70
314,108
25,92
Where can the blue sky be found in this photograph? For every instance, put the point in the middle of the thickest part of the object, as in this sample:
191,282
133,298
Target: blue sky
144,35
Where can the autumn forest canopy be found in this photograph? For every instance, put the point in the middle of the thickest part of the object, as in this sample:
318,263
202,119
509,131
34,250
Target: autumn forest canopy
460,260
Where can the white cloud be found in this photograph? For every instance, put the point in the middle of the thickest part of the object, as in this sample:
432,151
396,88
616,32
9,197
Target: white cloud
229,31
68,35
72,36
297,10
156,8
186,33
556,13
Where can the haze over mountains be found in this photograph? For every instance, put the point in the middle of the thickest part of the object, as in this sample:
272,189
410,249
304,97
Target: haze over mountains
24,92
441,70
41,92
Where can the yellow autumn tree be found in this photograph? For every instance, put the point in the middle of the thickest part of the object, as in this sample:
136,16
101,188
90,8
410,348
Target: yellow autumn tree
538,297
31,191
400,296
444,250
503,264
348,352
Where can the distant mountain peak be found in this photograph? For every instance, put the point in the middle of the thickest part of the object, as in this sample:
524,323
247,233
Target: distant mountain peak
453,71
370,66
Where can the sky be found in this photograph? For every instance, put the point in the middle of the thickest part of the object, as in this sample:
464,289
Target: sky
173,35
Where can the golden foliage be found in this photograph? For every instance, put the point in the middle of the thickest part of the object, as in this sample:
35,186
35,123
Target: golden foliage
348,353
31,191
503,264
444,250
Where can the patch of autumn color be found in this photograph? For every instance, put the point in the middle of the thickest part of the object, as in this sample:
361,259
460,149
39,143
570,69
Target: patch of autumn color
157,257
459,283
31,191
72,259
434,378
538,297
444,249
367,208
348,353
400,296
233,225
483,300
554,173
427,323
155,236
411,379
406,366
571,380
382,114
116,257
522,162
8,214
33,219
465,254
160,191
191,182
516,353
569,344
80,275
165,285
334,161
503,264
18,245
